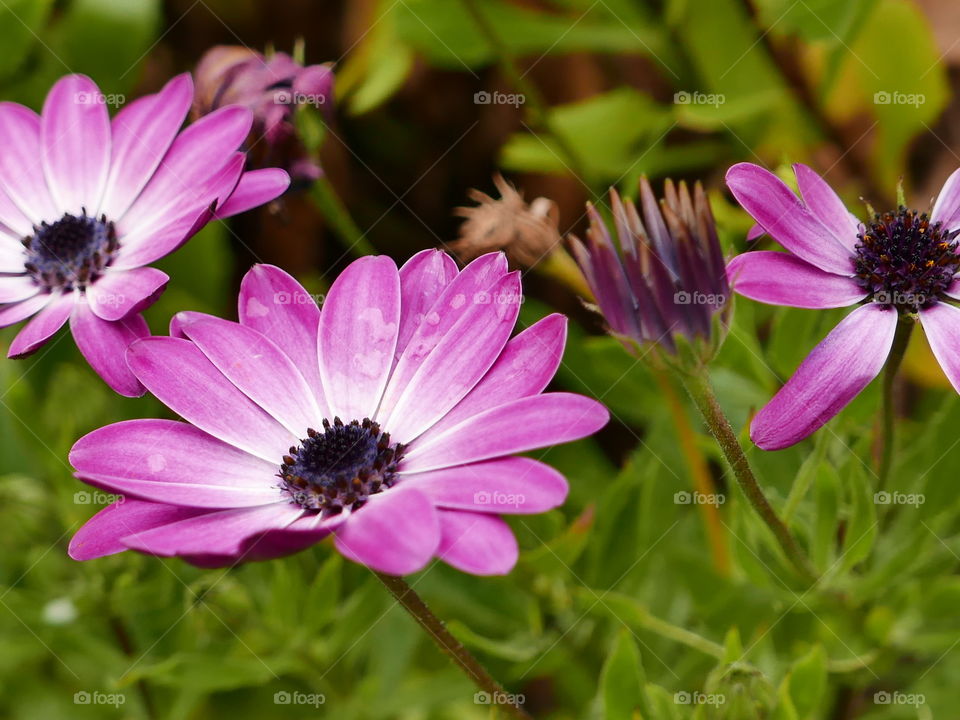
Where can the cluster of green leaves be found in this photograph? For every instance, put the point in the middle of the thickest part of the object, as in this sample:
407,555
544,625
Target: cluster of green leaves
616,609
732,100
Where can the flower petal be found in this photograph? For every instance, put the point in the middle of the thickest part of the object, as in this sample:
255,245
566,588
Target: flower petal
783,216
183,178
276,305
221,533
422,279
510,486
256,187
941,323
173,462
835,371
947,207
477,544
457,363
525,367
152,243
15,312
779,278
142,133
101,534
358,335
455,300
396,532
518,426
259,369
12,256
183,379
21,168
12,219
124,292
104,343
42,327
75,144
16,288
827,206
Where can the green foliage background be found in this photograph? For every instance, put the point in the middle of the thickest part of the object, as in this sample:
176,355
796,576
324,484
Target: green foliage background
615,606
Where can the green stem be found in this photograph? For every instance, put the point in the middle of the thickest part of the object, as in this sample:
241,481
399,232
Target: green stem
330,205
449,645
701,391
537,109
126,644
887,427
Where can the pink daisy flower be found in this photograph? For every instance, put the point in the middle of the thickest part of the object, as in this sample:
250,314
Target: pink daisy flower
86,204
896,267
387,419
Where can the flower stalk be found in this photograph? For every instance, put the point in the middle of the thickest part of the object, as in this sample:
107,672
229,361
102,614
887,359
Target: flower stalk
701,392
887,440
699,472
328,202
448,644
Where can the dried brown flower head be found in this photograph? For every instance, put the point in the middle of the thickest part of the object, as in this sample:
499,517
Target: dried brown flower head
527,233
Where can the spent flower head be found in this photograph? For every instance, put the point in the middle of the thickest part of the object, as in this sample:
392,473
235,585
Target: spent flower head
662,284
527,233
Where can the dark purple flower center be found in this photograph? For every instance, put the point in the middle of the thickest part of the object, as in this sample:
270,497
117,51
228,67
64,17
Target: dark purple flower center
905,261
71,252
340,467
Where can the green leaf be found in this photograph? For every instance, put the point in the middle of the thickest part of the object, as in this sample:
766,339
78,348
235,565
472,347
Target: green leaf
808,681
127,27
828,502
448,35
905,91
610,131
622,679
377,67
825,21
861,530
732,647
21,22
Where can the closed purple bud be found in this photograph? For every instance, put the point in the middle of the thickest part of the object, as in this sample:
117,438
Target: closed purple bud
663,281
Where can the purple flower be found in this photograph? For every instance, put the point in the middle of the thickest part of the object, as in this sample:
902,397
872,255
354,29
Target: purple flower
86,204
897,266
387,419
272,87
666,286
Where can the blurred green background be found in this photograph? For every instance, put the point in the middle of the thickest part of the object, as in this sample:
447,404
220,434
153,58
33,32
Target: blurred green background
622,605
